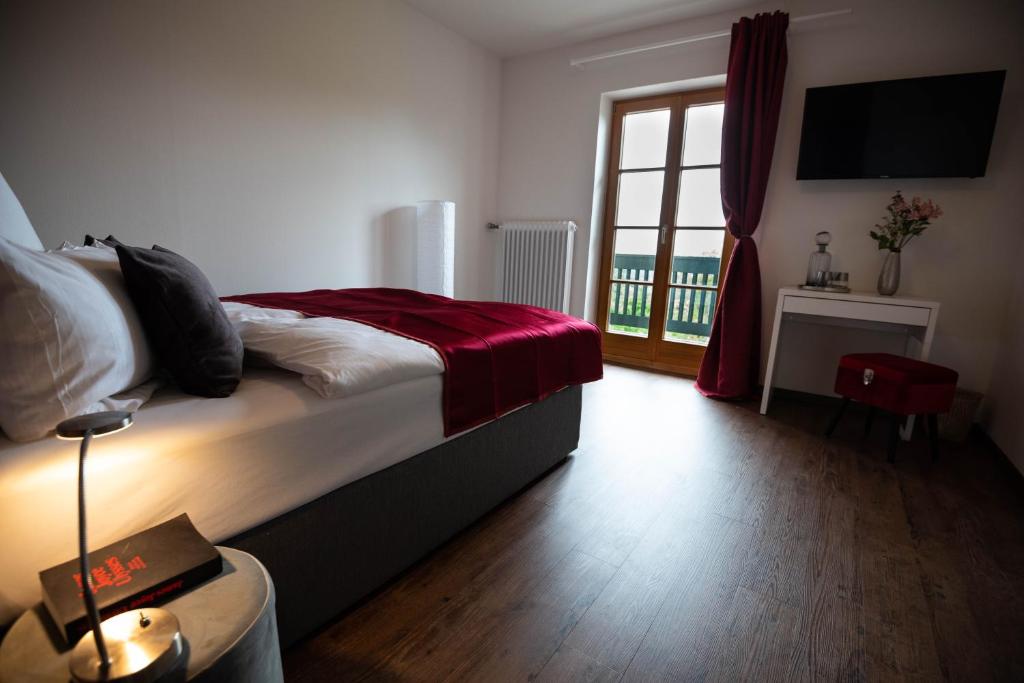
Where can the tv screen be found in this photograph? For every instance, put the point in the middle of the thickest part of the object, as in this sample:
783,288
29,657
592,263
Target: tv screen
935,127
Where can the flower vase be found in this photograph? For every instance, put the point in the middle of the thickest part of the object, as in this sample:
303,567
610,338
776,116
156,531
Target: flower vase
889,278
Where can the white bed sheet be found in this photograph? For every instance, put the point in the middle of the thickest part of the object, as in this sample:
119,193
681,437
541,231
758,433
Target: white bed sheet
230,463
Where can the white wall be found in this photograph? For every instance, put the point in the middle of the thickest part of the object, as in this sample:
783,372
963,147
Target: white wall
551,135
266,140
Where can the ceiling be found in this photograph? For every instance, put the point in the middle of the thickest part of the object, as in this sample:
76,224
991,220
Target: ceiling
515,27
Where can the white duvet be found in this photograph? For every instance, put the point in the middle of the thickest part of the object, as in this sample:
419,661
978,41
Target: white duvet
336,358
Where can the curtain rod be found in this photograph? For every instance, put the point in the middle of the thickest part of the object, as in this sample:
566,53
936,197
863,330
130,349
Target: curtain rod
580,62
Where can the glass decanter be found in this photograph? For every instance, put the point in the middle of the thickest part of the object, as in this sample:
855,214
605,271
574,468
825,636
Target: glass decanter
820,262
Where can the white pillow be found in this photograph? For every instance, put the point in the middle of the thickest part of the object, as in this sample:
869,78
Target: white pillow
14,224
70,336
101,261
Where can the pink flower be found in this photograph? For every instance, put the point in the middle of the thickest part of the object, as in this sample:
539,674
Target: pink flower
906,220
927,210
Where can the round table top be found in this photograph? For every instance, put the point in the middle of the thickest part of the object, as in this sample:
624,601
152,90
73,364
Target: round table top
213,617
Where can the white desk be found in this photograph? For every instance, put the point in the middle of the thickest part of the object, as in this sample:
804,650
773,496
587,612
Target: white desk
853,309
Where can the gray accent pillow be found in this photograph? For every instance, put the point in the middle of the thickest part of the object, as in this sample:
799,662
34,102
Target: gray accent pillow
184,320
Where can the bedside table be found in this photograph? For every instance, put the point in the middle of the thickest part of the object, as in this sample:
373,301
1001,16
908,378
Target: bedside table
228,625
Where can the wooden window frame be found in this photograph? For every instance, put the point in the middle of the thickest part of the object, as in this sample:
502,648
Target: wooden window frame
653,351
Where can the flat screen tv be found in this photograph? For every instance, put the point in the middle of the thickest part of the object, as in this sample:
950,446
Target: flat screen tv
934,127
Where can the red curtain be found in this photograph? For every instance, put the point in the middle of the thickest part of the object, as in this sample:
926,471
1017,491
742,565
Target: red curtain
753,97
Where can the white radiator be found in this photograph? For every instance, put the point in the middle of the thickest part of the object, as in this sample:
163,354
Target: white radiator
536,263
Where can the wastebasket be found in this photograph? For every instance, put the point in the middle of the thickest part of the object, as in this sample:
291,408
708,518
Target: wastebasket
956,424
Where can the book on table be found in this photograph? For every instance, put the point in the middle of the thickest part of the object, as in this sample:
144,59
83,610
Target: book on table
144,570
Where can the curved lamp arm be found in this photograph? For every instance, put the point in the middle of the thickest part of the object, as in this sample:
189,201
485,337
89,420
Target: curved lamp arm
83,558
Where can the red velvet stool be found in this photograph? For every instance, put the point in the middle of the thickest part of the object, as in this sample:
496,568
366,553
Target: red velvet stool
898,385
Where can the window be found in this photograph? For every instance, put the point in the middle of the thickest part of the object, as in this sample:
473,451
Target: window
665,242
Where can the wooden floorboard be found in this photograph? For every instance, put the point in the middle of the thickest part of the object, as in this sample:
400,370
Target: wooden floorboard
689,539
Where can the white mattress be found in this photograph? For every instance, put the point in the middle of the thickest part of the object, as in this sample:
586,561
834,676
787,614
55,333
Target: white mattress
229,463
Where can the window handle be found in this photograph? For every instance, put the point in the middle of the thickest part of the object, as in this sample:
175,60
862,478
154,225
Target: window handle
664,231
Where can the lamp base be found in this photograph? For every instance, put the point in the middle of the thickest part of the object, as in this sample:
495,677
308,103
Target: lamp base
143,645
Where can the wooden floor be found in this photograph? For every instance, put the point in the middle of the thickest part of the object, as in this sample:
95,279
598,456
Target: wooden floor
689,539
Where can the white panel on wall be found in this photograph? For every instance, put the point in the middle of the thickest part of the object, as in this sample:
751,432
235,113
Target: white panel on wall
435,247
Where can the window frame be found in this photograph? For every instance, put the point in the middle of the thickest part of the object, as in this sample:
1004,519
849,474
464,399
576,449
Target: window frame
654,351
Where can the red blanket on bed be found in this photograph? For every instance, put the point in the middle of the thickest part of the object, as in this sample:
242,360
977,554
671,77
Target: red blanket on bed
497,356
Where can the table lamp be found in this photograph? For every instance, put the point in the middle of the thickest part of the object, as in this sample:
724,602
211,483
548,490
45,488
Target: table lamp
138,645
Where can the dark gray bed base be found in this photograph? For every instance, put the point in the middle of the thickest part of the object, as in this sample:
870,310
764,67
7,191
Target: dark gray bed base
335,550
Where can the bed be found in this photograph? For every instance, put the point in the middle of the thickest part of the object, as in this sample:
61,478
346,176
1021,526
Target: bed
333,496
369,427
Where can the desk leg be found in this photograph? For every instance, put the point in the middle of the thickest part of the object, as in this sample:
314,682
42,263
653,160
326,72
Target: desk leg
926,347
907,430
769,374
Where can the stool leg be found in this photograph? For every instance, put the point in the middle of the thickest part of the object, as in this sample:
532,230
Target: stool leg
933,435
835,418
870,419
894,436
